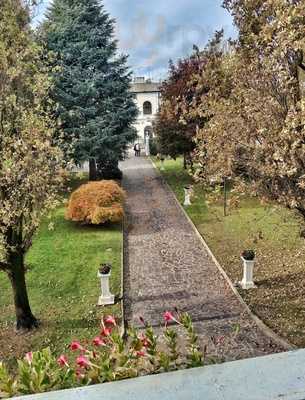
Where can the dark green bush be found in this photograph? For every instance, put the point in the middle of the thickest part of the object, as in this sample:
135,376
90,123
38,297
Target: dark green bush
154,148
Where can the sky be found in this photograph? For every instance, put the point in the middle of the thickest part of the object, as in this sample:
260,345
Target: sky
154,31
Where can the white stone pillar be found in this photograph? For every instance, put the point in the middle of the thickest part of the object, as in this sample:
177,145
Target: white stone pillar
187,196
106,297
247,281
147,146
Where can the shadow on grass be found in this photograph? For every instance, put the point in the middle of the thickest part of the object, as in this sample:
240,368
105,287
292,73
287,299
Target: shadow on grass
77,323
107,226
281,281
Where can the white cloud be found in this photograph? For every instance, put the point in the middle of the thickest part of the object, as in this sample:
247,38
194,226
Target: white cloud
152,32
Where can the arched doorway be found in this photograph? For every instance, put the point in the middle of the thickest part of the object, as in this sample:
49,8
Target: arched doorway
148,132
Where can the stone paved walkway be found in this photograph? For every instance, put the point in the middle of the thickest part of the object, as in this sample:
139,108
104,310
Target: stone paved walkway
166,266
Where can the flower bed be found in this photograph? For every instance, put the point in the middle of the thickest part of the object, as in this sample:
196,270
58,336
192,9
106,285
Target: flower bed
108,357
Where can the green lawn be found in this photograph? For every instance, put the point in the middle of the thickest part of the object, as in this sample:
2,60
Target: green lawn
63,285
273,232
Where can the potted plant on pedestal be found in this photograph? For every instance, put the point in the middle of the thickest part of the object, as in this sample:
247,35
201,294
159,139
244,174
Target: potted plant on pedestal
248,258
162,159
188,191
104,274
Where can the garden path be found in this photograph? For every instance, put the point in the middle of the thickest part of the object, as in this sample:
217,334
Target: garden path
167,266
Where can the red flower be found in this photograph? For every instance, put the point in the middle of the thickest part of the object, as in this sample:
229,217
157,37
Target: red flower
168,316
140,353
110,320
97,341
76,346
29,357
106,332
63,361
82,362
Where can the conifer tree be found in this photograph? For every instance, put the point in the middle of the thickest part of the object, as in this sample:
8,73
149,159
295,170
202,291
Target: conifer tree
95,109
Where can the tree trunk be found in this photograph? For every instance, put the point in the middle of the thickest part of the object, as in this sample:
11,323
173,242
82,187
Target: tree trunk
191,163
184,161
92,170
225,196
301,210
24,317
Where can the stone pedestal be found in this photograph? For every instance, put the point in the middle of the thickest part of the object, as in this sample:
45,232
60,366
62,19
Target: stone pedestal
247,281
147,146
106,298
187,196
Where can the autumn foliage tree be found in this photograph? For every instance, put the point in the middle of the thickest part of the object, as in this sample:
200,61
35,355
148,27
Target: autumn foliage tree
256,115
29,162
182,112
174,135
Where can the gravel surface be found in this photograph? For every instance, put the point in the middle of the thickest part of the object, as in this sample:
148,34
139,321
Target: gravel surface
166,266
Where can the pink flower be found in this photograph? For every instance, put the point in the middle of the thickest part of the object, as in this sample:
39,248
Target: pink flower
140,353
76,346
97,341
110,320
82,362
168,316
29,357
144,340
106,332
63,361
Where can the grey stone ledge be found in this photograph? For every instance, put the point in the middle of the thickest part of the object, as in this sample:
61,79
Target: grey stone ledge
279,376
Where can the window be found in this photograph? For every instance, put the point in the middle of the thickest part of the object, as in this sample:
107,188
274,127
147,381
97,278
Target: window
147,108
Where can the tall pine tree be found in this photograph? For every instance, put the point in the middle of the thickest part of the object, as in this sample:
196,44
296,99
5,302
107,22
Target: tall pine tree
95,109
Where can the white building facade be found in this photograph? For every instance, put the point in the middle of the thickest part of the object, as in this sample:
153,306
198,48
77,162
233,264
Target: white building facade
147,97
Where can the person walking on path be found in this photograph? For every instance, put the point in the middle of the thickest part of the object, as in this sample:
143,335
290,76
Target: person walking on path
137,150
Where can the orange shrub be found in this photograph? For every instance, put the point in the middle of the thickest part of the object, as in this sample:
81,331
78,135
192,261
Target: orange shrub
96,203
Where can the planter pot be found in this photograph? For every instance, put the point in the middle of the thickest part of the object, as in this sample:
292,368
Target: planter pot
106,298
247,281
187,196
